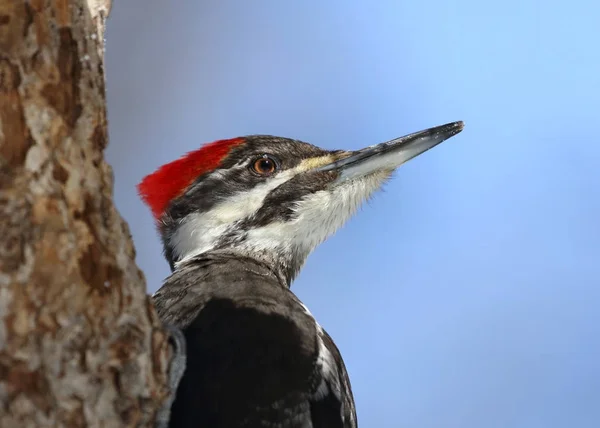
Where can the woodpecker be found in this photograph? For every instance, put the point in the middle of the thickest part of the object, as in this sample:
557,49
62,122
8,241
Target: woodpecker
238,219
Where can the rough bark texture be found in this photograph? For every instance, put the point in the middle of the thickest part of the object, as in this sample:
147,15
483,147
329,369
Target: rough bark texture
80,344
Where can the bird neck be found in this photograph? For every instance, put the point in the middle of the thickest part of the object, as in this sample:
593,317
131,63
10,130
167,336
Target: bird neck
284,267
214,275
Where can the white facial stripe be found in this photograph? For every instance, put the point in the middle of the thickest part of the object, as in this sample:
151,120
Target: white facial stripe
200,231
319,215
245,204
196,235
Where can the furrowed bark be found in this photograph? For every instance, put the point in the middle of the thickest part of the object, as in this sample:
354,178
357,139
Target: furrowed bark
80,344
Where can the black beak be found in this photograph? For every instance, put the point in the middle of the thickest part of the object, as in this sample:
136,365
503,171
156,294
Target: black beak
390,155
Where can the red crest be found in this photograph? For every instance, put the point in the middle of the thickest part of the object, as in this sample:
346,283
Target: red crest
169,181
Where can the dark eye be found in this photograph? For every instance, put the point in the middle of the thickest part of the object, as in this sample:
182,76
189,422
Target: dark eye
264,165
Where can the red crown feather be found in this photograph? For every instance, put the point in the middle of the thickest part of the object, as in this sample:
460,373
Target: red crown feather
169,181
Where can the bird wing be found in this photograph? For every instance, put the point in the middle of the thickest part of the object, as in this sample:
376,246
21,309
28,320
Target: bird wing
332,403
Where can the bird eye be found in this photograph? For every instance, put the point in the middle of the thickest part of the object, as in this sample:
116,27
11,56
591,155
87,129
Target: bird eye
264,165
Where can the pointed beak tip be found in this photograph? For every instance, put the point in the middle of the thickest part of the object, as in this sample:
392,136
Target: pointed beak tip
454,127
443,132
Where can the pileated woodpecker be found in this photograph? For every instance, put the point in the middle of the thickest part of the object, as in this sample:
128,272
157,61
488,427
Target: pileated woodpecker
238,219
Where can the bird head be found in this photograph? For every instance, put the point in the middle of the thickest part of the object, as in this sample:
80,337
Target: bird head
270,198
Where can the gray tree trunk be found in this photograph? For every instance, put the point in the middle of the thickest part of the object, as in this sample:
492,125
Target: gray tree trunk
80,344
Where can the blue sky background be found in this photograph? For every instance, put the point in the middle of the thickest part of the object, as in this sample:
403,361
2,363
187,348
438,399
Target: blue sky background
465,295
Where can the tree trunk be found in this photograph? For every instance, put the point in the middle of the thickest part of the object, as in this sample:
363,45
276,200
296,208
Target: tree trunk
80,344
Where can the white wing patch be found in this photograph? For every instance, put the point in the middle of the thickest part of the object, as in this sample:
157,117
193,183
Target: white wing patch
330,383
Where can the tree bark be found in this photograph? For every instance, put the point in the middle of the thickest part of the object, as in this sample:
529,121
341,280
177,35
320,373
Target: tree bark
80,344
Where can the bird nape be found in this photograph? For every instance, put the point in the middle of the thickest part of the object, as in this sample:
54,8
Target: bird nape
238,219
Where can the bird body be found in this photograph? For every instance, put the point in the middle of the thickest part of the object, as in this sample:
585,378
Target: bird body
238,218
257,350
